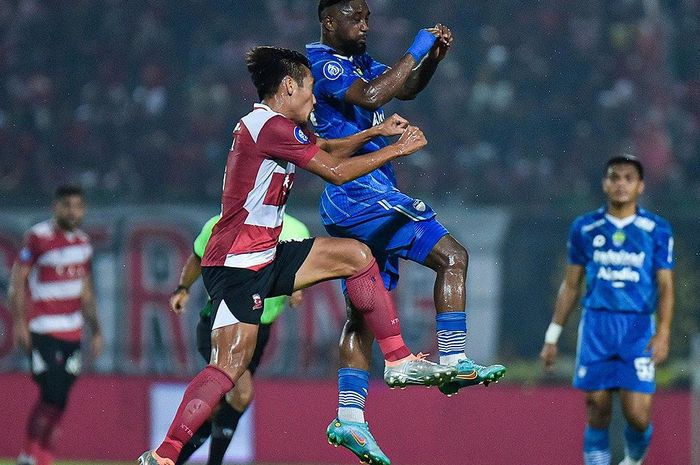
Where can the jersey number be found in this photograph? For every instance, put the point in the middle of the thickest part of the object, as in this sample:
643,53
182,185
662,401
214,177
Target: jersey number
645,369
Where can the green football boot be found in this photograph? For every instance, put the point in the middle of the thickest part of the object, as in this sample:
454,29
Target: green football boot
470,373
356,437
418,371
151,458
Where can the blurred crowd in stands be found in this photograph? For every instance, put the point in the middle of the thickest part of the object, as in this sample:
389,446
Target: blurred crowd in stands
136,100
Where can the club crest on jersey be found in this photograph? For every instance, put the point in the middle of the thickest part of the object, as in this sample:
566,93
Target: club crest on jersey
257,302
599,241
332,70
619,238
300,136
419,205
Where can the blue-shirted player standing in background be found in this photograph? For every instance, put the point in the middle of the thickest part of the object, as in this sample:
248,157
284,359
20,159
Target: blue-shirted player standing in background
350,89
625,254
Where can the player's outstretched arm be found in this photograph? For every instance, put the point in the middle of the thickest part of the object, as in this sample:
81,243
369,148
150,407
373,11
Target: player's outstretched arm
421,75
347,146
568,295
341,170
661,341
17,298
190,273
372,95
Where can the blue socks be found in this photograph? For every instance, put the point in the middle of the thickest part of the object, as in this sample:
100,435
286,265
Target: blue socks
637,442
352,393
451,330
596,446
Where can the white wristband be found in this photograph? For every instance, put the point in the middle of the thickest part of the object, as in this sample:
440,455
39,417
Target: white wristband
553,333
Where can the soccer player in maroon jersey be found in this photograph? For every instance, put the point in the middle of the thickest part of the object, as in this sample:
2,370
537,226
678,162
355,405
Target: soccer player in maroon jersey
54,266
243,263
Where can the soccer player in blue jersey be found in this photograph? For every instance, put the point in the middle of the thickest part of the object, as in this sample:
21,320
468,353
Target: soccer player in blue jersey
350,89
625,255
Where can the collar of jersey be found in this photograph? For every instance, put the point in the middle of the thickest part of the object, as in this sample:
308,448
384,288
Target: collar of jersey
262,106
326,48
620,223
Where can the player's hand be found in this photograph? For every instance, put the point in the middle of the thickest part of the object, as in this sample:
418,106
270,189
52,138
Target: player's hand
659,346
178,301
295,299
96,345
392,126
411,141
443,43
549,356
23,339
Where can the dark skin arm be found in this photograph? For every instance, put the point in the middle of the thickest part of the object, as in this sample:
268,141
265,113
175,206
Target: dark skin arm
339,170
401,80
346,146
421,75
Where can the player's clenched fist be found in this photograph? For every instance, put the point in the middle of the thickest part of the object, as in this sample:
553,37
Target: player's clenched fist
178,301
443,43
411,140
393,126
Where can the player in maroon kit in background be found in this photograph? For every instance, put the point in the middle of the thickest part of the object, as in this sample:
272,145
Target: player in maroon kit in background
51,297
243,263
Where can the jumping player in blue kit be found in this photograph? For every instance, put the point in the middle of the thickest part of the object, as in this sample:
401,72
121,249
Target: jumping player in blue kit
625,254
350,89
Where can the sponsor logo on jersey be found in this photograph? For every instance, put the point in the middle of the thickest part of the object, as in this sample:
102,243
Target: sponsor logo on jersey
599,241
257,302
618,238
419,205
25,255
300,136
619,258
332,70
626,274
377,117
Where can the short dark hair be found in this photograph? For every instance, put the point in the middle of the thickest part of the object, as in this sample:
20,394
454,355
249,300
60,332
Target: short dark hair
68,190
323,4
269,65
626,159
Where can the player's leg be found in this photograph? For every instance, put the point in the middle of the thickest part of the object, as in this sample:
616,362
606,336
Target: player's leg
450,260
233,343
237,400
203,333
596,441
55,365
353,385
347,258
636,408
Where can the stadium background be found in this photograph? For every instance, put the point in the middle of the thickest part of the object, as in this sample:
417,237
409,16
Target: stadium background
136,100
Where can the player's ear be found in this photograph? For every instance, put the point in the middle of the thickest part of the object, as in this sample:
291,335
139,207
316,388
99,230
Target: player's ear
641,187
289,85
328,24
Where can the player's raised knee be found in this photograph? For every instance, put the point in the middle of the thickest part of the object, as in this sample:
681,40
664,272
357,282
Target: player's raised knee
356,255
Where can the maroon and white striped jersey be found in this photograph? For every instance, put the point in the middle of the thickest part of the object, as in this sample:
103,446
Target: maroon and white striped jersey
259,175
60,261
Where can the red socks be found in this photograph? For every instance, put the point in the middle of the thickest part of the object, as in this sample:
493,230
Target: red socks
201,396
41,428
369,296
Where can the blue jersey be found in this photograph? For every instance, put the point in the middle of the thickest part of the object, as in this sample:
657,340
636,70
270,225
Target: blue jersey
334,118
621,258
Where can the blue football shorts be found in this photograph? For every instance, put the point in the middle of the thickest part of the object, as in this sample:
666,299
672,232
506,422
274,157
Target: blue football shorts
393,228
612,351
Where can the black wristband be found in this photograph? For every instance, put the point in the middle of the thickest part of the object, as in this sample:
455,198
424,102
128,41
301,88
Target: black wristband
180,287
